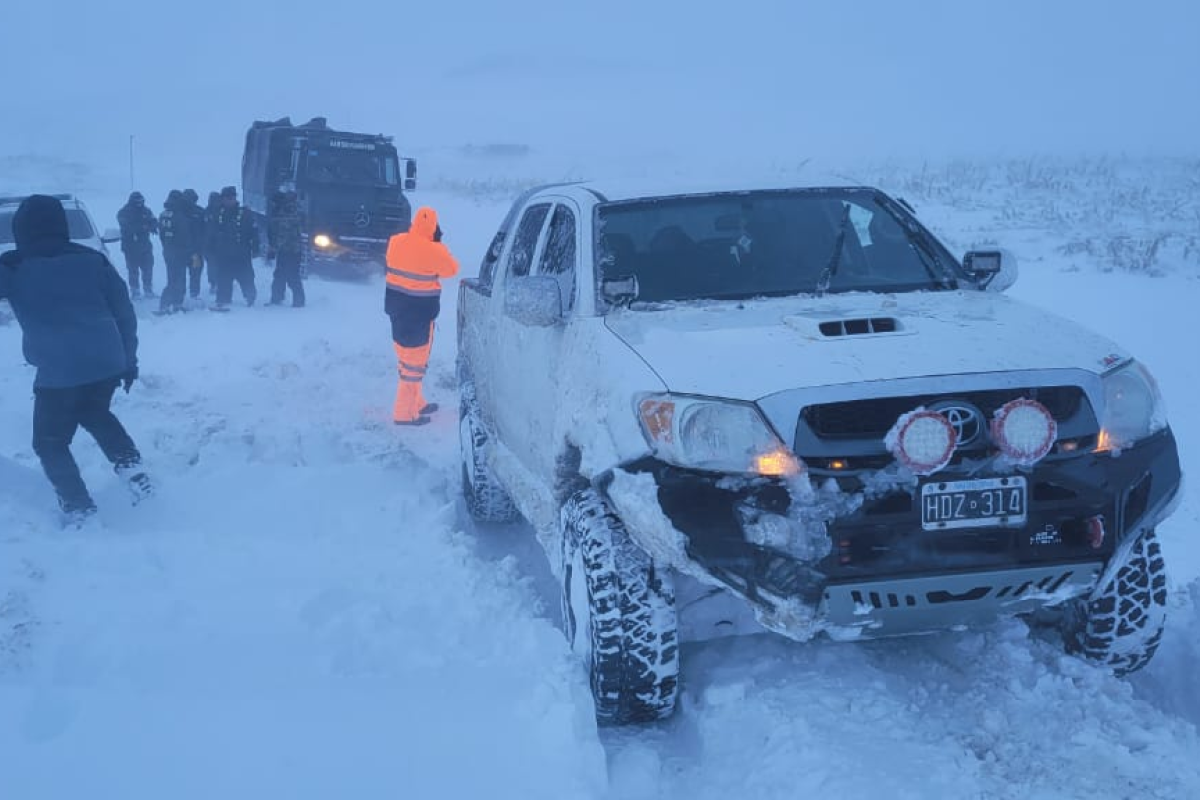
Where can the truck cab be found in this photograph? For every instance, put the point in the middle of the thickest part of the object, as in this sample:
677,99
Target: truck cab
350,188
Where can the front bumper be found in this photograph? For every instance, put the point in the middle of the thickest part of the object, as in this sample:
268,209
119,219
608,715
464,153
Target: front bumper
859,562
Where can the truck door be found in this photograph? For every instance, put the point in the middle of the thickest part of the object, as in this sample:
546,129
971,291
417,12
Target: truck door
510,401
554,262
544,257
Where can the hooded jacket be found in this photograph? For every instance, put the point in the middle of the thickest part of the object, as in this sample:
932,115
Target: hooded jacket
78,323
137,223
416,262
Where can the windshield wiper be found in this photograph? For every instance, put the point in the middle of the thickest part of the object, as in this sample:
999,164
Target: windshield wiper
926,249
835,259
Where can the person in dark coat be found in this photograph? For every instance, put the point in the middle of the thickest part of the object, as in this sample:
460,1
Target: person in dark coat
233,240
210,223
195,216
80,332
138,224
175,233
284,241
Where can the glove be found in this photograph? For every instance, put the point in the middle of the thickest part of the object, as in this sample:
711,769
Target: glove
128,378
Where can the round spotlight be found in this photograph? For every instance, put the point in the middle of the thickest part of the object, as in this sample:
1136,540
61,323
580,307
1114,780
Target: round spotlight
1024,430
923,441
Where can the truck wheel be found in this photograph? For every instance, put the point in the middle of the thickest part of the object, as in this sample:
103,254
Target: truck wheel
486,500
619,614
1121,624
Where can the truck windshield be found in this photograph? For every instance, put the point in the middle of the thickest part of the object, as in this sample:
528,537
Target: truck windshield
353,167
768,243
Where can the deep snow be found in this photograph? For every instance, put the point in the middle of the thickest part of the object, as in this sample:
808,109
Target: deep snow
304,611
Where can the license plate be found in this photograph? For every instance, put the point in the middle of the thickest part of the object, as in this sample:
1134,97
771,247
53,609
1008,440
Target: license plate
987,502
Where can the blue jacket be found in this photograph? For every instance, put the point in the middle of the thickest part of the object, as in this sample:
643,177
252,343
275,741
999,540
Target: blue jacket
73,307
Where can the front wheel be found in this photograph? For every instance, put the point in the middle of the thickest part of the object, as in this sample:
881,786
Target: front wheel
619,614
1120,625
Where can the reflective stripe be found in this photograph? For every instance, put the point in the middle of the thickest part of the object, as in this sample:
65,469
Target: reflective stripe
406,379
412,276
411,368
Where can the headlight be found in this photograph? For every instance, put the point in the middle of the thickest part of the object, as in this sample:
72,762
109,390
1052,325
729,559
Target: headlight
715,435
1133,407
322,241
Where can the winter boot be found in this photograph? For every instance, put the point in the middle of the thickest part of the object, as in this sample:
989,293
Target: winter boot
140,487
77,519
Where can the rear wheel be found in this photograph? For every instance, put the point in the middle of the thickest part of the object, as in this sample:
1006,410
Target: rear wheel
486,500
1121,623
619,614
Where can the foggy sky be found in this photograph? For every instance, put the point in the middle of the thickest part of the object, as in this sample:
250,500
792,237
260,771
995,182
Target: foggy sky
839,78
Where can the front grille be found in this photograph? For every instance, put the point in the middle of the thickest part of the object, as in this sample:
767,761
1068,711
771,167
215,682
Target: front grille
872,419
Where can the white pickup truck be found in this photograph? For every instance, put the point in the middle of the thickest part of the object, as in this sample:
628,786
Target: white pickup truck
797,407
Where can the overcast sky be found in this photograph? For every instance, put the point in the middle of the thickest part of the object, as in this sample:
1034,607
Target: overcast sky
840,78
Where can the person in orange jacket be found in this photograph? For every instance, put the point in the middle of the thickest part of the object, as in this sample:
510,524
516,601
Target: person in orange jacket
417,262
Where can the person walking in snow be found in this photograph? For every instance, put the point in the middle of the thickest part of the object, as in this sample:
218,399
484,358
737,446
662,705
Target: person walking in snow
138,224
211,212
233,239
284,242
195,217
175,233
80,331
417,262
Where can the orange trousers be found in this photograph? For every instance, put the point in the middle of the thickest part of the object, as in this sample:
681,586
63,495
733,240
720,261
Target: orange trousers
413,363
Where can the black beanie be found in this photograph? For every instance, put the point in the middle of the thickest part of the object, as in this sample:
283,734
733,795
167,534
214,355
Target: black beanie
40,225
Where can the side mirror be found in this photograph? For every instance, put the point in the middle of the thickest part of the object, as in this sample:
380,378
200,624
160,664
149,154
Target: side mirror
993,270
111,236
409,184
621,290
534,300
410,169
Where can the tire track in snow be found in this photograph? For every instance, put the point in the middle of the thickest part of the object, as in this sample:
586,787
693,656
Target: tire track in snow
296,613
991,714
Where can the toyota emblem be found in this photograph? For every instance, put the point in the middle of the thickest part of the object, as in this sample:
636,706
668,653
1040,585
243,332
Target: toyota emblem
362,219
966,419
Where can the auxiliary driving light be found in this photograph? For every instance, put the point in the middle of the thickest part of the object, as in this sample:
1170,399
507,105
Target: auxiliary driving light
322,241
1024,430
924,441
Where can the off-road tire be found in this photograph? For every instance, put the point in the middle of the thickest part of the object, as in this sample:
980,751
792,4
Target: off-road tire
1121,623
623,614
486,500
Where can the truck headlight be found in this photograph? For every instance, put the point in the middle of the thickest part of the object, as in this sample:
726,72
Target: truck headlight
716,435
322,241
1133,407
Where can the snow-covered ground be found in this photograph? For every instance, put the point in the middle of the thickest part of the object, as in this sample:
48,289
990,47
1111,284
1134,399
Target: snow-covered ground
304,610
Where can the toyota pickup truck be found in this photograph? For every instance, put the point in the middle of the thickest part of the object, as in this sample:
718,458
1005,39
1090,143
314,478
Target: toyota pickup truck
796,409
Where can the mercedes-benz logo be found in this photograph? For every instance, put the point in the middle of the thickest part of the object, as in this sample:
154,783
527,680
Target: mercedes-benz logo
966,419
362,219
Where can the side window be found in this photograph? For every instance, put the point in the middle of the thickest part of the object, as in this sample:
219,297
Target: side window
558,256
520,258
487,270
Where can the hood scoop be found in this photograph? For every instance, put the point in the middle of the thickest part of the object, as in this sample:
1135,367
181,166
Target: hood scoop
863,326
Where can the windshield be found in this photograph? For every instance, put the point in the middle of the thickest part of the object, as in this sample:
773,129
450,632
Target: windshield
353,166
77,223
768,243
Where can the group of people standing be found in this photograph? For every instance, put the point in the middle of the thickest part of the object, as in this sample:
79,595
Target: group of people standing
224,236
81,331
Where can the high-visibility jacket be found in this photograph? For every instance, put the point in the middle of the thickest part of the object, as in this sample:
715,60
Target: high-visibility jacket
416,264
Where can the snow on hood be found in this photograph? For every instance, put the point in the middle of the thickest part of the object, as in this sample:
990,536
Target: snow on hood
749,350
